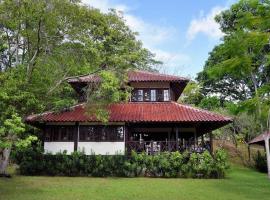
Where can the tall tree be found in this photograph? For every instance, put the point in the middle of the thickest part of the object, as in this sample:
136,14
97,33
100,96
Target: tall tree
239,68
45,41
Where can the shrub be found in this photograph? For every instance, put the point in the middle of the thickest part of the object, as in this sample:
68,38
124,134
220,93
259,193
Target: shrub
220,164
33,161
260,162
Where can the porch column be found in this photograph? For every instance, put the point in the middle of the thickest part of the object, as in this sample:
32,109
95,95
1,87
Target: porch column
126,139
211,142
177,138
169,139
77,135
195,138
202,139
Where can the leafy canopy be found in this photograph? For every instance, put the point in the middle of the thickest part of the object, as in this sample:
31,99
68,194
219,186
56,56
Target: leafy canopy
44,42
238,69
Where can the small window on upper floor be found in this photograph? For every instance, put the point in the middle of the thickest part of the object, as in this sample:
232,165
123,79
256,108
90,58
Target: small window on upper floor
166,95
140,95
153,95
137,95
160,95
146,95
150,95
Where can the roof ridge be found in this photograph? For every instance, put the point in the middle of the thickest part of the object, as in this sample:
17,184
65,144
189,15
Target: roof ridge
158,73
133,75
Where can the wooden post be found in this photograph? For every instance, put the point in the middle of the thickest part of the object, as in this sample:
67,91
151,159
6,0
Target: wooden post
195,138
169,141
202,139
77,136
266,141
211,142
152,152
176,137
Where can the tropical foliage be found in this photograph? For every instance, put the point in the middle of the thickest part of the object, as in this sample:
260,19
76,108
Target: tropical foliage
236,76
33,161
44,42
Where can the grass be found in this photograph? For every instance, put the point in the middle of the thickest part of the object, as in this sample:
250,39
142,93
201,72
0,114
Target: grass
241,183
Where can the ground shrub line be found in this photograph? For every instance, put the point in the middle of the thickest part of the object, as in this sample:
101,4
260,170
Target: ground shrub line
33,161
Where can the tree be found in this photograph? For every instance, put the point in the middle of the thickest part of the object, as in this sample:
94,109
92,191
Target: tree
11,135
239,69
192,94
45,41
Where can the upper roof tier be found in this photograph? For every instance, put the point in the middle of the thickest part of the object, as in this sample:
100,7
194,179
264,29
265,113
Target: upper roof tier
133,76
175,83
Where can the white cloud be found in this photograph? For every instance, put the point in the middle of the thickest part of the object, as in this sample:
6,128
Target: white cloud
152,35
174,62
206,24
171,57
105,5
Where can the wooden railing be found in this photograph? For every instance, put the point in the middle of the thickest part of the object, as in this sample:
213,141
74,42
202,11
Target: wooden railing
154,147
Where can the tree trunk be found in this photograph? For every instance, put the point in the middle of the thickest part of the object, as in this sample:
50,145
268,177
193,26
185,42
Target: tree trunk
266,141
4,159
255,84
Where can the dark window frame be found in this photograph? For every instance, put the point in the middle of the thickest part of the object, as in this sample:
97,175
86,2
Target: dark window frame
104,133
159,95
110,133
54,133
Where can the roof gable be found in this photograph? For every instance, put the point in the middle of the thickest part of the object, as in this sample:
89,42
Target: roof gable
133,76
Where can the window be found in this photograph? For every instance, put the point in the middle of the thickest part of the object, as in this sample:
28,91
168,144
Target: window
150,95
59,133
137,95
120,133
147,95
153,95
166,95
87,133
104,134
159,95
140,95
101,133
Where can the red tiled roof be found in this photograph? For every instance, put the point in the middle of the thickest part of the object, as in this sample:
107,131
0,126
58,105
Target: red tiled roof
133,76
135,112
260,138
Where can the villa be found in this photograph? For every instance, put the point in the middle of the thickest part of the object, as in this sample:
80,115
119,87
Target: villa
152,121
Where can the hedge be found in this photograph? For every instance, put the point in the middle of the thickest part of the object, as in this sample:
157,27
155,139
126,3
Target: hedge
175,164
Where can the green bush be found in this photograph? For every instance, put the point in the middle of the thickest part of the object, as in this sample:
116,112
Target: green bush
33,161
260,162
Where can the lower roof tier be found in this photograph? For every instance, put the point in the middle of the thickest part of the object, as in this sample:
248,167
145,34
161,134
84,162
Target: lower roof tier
134,112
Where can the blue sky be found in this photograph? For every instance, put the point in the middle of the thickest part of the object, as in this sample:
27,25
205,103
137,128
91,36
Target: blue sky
180,33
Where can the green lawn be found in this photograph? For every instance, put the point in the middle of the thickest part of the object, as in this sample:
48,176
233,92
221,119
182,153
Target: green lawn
241,183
